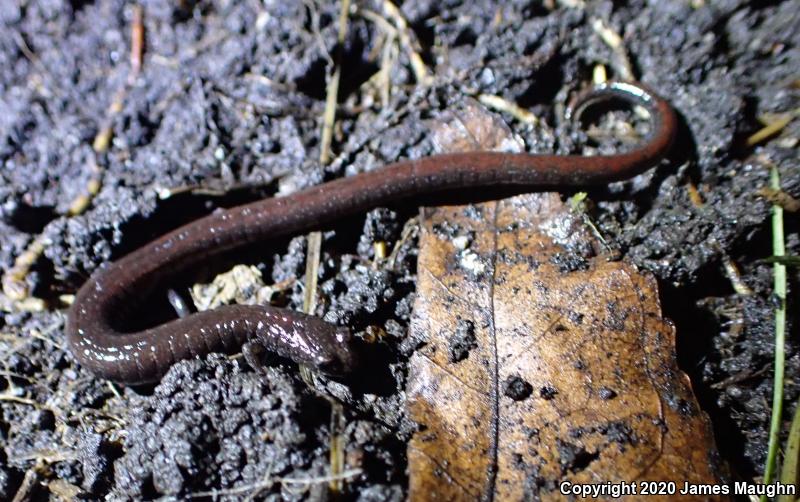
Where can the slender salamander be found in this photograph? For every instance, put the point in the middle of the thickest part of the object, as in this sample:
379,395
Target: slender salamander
98,313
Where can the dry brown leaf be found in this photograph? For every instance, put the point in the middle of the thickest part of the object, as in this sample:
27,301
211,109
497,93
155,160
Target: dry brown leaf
542,364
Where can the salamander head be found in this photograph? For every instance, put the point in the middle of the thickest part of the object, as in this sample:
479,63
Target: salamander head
339,358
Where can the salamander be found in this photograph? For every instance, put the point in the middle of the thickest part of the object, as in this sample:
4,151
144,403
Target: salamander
96,316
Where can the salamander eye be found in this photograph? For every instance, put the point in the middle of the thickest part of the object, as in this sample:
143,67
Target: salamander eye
344,337
330,365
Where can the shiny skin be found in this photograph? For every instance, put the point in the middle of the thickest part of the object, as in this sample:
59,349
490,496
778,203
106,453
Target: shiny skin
103,303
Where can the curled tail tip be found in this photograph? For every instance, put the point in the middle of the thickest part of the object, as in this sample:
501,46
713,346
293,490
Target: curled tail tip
632,92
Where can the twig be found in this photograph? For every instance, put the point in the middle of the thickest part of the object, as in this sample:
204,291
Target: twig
37,63
379,250
314,240
29,304
615,43
421,72
780,198
573,4
789,260
773,124
314,245
599,74
64,490
735,276
350,473
731,270
337,447
99,414
14,280
43,337
694,195
137,43
578,205
382,22
389,54
503,105
114,390
45,457
313,254
389,57
410,230
103,138
333,88
11,374
214,494
739,377
14,285
271,481
39,469
82,201
20,400
23,492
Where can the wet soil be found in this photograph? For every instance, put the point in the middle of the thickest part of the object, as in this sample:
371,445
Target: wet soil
228,108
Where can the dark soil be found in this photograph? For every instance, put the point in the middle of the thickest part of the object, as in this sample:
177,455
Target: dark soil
229,103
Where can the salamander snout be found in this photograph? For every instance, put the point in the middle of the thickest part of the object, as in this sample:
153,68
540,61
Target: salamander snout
340,357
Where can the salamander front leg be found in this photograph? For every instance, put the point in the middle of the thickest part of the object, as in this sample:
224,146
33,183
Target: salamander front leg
256,355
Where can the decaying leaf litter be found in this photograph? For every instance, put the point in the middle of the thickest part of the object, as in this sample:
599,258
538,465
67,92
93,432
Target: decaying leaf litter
543,361
231,96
